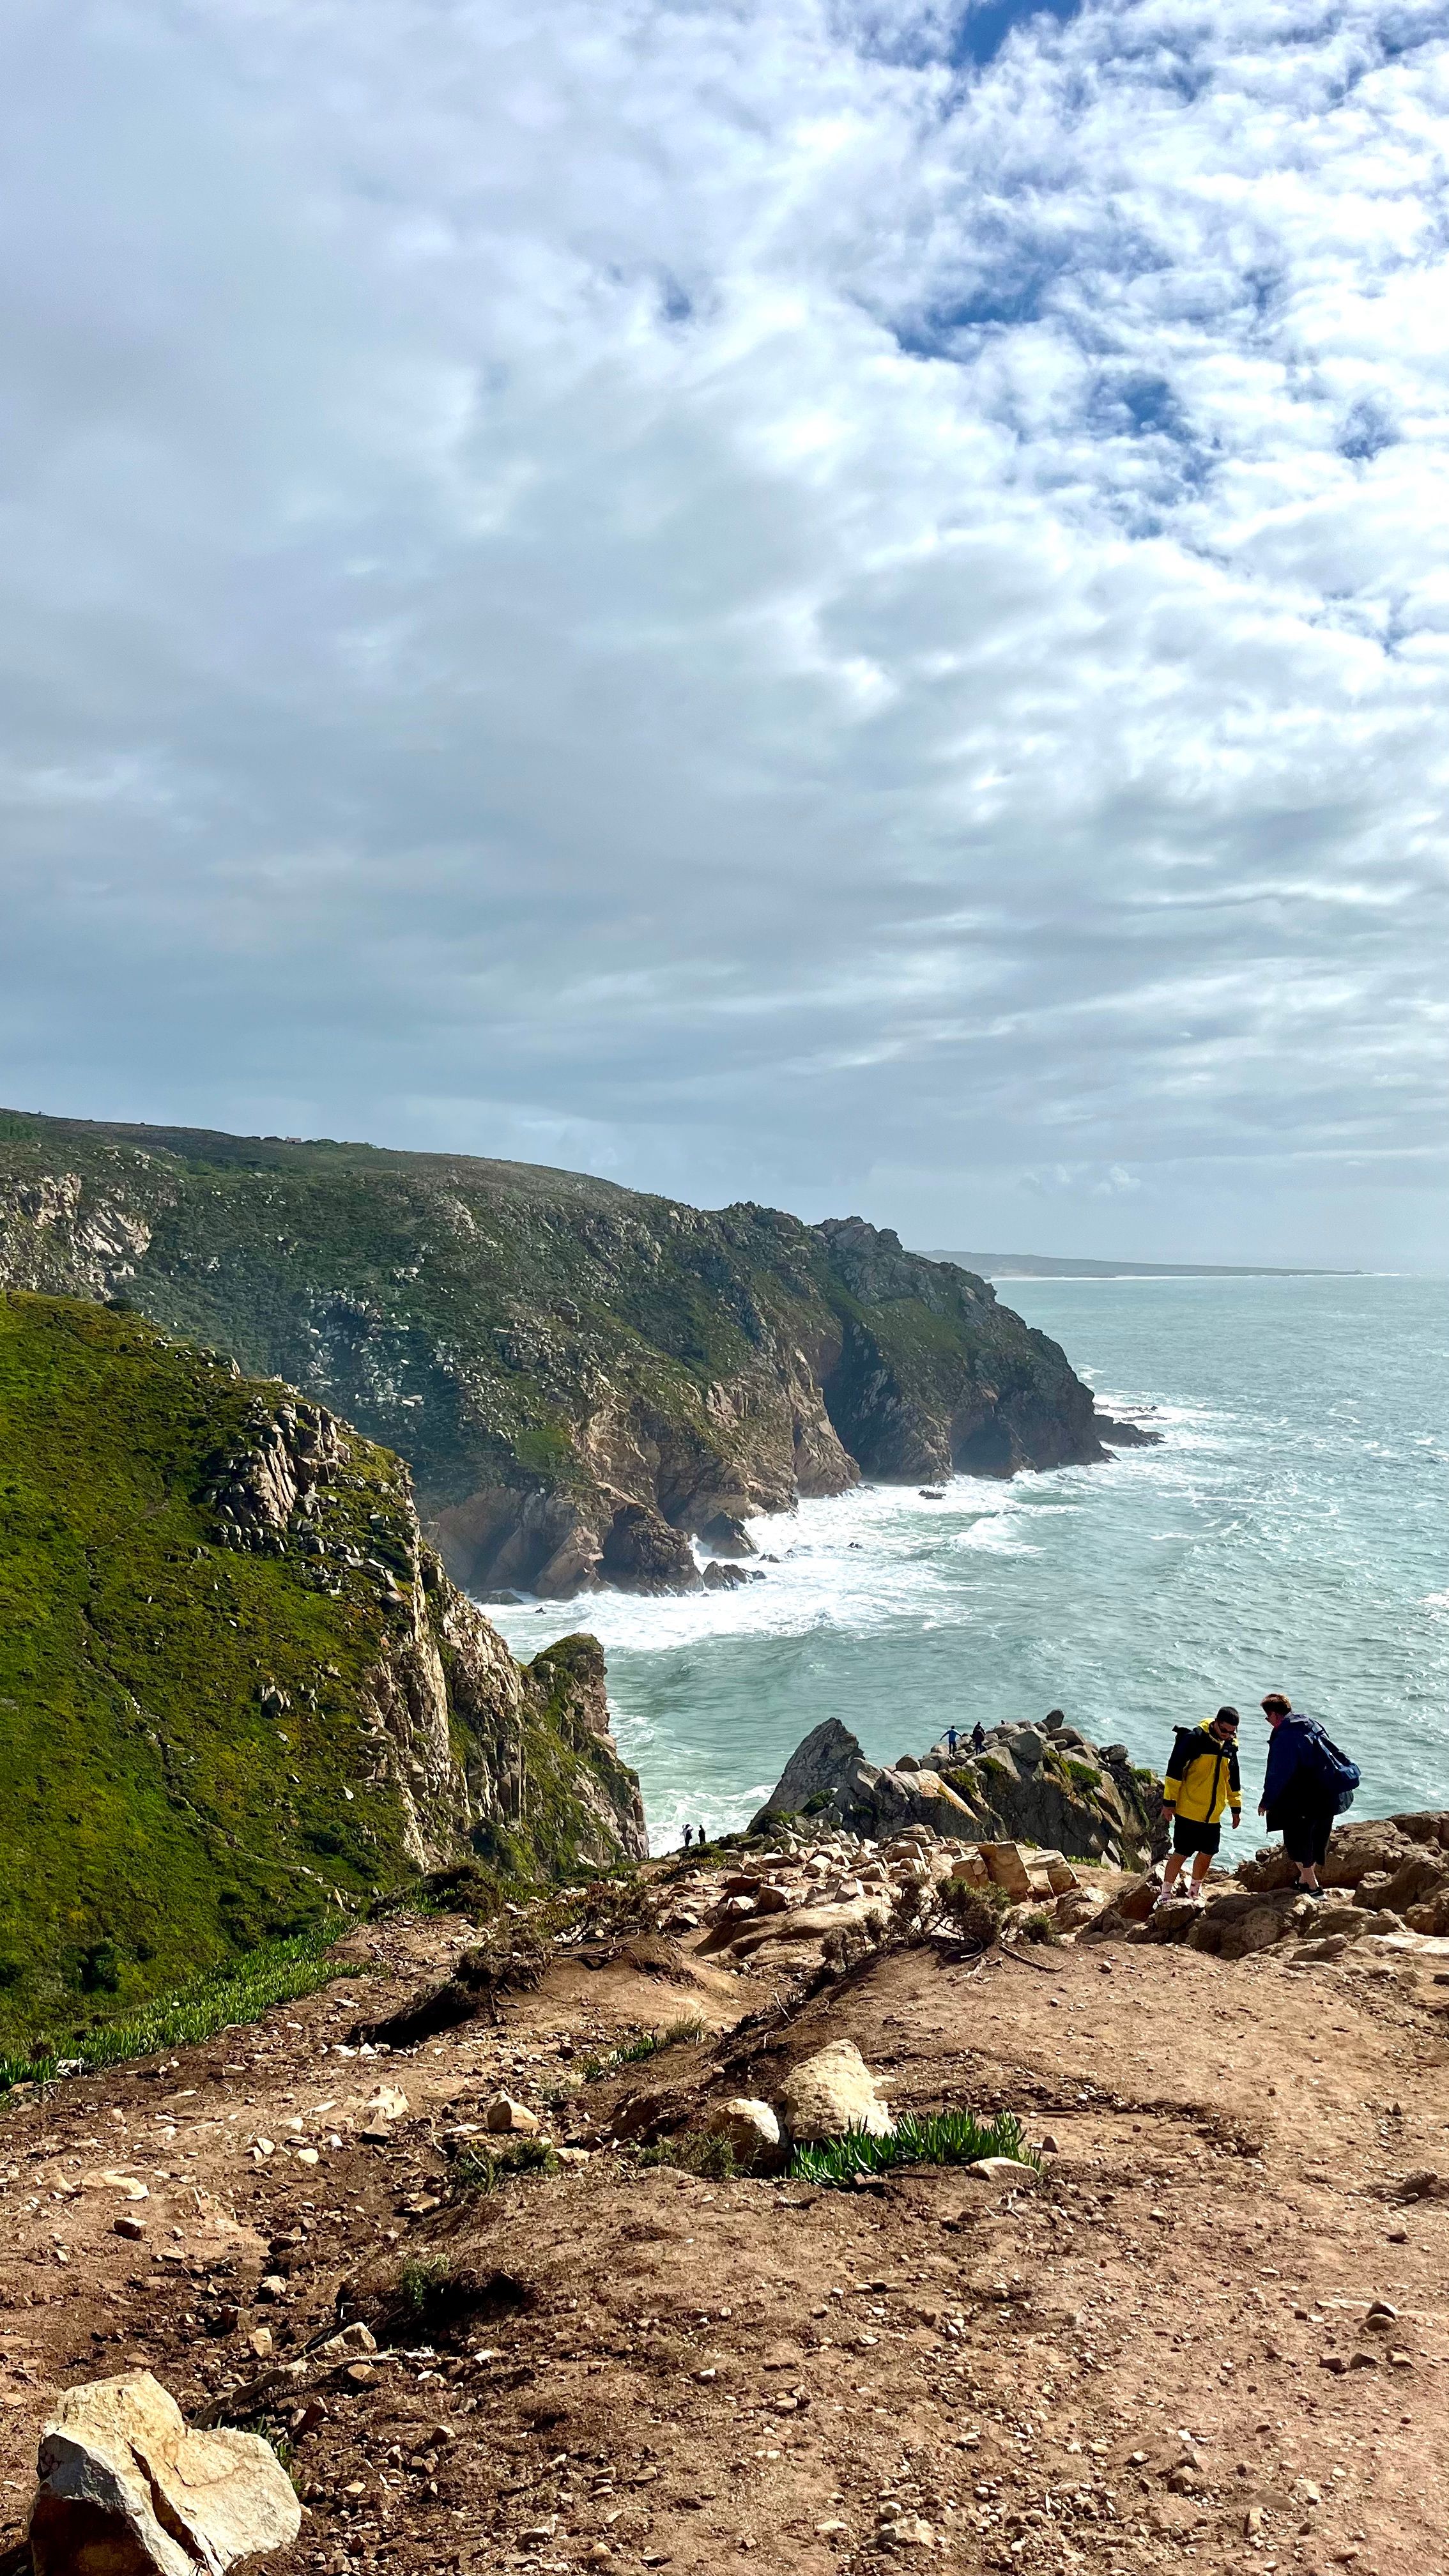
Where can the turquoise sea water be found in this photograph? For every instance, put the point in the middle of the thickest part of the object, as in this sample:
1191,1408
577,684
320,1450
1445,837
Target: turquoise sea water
1293,1529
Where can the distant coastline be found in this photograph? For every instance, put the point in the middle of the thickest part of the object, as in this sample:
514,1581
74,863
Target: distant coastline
1040,1265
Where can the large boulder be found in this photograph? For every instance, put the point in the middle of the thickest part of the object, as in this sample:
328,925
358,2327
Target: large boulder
127,2490
830,2094
642,1553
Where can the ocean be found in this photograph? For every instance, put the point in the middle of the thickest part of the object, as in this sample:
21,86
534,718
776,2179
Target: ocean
1292,1530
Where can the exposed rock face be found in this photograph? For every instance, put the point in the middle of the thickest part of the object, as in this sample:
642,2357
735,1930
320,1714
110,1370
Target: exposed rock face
126,2490
444,1682
581,1378
1049,1785
1020,1788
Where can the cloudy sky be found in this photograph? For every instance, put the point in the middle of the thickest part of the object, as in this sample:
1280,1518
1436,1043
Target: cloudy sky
838,601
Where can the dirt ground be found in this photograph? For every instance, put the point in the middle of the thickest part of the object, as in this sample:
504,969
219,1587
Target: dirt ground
1161,2356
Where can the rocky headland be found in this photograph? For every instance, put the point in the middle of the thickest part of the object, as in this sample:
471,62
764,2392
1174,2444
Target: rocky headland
590,1385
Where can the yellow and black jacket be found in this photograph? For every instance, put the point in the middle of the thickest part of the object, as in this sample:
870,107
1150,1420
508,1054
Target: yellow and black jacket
1202,1777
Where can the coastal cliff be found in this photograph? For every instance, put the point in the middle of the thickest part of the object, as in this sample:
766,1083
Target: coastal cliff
237,1687
583,1379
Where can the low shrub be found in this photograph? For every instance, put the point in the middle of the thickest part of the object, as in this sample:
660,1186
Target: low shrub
695,2151
648,2043
974,1911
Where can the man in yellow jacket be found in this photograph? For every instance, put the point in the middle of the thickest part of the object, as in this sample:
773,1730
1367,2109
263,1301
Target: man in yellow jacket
1202,1779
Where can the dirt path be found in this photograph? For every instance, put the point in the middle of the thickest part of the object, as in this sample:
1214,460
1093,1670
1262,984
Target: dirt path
628,2368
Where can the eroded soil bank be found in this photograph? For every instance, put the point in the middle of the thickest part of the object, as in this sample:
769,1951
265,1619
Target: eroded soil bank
1164,2355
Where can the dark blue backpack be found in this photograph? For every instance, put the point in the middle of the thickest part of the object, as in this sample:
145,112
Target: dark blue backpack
1337,1774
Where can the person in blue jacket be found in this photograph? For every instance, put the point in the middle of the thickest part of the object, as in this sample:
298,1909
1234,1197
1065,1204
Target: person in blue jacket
1298,1800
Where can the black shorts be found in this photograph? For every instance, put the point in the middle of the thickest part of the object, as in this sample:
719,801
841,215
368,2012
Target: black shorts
1188,1837
1305,1834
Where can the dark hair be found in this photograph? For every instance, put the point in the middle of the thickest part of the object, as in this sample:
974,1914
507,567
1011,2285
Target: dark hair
1276,1699
1228,1714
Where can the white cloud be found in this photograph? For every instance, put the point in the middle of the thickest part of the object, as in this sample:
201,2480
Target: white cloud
736,588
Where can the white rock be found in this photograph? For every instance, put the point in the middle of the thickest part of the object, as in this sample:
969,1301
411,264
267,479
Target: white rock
1007,1867
1004,2169
831,2093
387,2103
121,2478
504,2115
751,2128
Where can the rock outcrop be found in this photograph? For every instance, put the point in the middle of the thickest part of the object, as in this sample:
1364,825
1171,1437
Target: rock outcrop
583,1380
1036,1785
1388,1882
126,2490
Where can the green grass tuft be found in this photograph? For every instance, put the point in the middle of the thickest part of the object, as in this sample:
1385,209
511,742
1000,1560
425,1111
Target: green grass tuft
648,2044
934,2138
483,2168
277,1973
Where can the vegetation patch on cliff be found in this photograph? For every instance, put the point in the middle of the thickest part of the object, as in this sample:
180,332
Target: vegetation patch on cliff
218,1634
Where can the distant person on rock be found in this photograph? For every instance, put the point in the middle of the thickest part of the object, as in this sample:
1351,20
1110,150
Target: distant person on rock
1202,1779
1307,1783
978,1736
950,1739
687,1832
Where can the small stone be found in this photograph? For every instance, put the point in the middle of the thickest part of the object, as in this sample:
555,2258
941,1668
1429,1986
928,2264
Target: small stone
1363,2360
125,2225
1401,2361
907,2531
1421,2184
353,2339
1004,2170
1252,2521
504,2117
385,2105
259,2342
272,2286
307,2156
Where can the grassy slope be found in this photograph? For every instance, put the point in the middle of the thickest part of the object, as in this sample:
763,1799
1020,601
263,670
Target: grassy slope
465,1311
153,1822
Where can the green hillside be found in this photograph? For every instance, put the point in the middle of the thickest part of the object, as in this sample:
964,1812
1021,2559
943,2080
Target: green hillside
580,1376
195,1744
